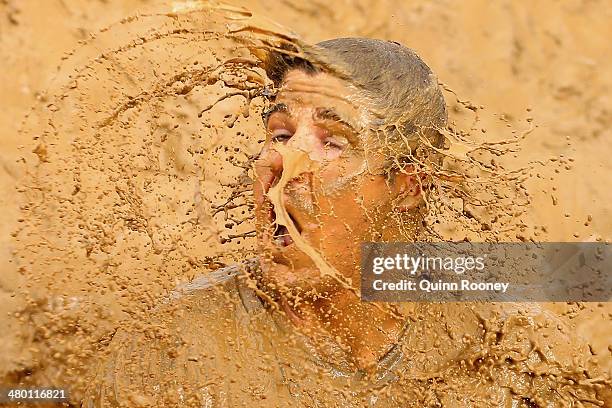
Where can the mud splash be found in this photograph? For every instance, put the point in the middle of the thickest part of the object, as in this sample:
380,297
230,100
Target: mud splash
137,176
139,179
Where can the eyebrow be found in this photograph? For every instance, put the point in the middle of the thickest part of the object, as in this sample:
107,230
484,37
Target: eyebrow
331,115
277,107
320,114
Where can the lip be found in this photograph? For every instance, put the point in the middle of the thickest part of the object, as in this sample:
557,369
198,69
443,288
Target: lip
280,235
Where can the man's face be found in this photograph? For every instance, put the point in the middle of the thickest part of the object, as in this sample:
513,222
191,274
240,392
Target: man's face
339,202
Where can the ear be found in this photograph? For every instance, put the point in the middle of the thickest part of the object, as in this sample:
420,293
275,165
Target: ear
407,189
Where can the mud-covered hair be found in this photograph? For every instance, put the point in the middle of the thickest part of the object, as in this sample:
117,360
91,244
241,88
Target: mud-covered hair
404,91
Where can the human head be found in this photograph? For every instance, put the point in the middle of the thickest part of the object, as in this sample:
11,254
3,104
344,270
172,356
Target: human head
360,114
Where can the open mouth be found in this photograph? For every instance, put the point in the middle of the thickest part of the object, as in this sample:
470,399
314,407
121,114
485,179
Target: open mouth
281,236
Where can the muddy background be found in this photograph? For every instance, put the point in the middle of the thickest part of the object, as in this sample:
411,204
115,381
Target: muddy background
544,60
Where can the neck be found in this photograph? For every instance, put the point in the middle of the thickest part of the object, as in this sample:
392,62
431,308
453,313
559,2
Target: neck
365,331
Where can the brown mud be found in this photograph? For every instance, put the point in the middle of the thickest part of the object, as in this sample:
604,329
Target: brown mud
132,169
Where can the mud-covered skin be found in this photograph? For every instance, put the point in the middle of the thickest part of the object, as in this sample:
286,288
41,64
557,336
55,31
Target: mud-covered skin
224,348
552,82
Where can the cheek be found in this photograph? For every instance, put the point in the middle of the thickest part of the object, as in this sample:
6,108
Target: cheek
361,208
366,194
342,234
342,217
342,174
375,192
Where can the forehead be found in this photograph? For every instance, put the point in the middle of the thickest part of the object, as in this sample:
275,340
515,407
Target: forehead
303,90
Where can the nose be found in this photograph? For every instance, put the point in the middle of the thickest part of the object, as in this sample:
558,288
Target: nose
276,163
269,168
271,161
305,139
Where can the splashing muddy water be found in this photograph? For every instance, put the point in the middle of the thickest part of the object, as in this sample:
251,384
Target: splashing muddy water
139,179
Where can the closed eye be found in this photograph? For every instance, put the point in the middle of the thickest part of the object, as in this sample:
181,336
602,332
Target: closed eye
337,142
281,135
